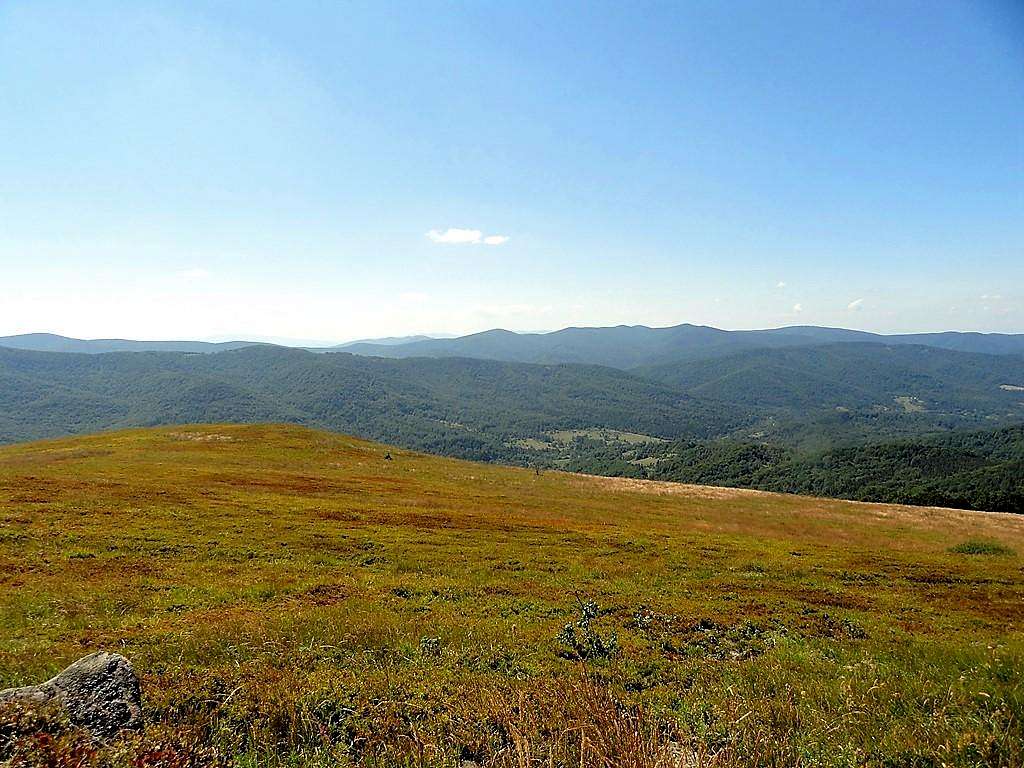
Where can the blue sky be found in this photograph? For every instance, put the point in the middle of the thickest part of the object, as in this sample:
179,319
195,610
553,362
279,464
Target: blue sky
226,169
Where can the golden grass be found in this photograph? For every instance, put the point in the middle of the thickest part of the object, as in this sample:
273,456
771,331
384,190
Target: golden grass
293,598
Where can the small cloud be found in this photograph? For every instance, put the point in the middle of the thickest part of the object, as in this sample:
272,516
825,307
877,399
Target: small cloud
855,305
459,236
798,308
196,273
455,235
780,284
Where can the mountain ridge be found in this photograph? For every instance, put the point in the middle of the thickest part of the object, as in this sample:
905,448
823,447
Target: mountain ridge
633,346
622,346
53,342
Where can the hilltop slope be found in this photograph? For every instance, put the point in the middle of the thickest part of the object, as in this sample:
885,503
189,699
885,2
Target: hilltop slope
294,597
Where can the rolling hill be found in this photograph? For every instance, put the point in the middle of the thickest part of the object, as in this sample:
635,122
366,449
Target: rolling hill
294,598
852,419
854,375
476,408
469,408
981,470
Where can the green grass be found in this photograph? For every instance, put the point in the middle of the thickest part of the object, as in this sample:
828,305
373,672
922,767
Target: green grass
292,598
974,547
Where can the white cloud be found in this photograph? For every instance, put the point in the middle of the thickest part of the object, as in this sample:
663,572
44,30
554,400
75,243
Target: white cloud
196,273
855,305
455,235
459,236
798,308
780,284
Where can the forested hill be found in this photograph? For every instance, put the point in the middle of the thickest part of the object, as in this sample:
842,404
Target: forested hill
468,408
854,375
974,470
852,420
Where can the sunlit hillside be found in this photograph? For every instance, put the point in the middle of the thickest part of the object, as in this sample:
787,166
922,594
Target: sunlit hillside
294,597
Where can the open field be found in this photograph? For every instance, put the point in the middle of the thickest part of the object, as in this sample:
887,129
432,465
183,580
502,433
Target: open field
292,598
560,439
565,436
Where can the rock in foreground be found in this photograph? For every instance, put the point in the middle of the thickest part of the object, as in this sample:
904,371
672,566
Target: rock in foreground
99,692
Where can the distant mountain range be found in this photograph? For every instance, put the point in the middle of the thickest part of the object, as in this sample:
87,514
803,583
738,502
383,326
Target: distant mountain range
51,342
628,347
623,347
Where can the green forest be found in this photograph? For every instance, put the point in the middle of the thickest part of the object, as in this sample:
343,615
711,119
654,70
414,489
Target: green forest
971,470
864,421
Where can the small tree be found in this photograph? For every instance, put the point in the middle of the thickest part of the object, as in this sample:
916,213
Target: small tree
582,640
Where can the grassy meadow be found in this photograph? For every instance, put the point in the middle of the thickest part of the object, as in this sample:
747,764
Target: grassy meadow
293,598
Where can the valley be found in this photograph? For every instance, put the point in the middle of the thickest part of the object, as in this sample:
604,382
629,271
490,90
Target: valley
848,419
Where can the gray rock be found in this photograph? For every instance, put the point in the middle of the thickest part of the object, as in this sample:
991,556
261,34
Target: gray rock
99,693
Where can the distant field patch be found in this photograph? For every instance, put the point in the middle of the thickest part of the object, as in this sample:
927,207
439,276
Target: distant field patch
563,438
910,404
647,461
533,444
566,436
